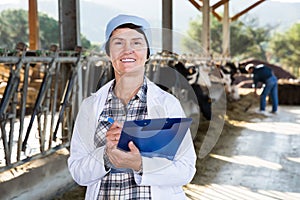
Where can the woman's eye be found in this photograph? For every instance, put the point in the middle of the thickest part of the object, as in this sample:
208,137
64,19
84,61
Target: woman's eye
118,43
138,44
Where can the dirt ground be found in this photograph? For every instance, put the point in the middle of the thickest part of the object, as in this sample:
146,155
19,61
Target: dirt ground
256,156
248,160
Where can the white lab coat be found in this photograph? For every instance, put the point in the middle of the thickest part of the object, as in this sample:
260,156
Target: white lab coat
165,177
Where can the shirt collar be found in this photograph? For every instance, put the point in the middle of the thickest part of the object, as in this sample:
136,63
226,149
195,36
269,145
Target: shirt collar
141,94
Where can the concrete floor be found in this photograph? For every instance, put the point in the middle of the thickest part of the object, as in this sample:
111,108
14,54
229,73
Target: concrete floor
262,161
255,160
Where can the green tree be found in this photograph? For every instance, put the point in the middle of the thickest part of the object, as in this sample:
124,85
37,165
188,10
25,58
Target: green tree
49,31
85,43
14,28
192,43
285,48
246,39
258,39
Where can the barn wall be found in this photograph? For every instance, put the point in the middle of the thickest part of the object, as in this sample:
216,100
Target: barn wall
289,94
37,179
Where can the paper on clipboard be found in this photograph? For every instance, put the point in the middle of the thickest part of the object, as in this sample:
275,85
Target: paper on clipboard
155,137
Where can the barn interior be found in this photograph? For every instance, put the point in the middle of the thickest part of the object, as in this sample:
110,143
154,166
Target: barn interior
41,91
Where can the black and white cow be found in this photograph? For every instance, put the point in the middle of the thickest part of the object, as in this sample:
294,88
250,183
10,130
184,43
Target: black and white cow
226,76
192,74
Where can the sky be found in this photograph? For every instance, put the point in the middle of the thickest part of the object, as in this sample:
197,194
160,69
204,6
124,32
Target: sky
94,14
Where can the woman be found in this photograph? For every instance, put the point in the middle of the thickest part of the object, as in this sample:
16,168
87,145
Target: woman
95,162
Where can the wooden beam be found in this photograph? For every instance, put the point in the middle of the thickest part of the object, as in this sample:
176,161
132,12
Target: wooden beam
226,32
196,5
205,36
199,7
215,6
220,3
246,10
219,18
33,21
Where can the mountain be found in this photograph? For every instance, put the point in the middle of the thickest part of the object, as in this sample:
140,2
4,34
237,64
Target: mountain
278,14
281,15
95,14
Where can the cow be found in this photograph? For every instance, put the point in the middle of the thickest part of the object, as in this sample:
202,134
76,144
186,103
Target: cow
192,74
226,76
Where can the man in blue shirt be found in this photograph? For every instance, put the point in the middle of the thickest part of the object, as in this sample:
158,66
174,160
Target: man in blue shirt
264,74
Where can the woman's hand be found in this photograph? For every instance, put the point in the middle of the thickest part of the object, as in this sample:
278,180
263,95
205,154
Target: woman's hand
119,158
113,135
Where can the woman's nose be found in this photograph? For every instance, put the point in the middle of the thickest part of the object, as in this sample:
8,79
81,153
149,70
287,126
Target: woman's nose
128,48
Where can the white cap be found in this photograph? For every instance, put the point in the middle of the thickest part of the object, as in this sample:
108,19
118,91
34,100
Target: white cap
249,66
124,19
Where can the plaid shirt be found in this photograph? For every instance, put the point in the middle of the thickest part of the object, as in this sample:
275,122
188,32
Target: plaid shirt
121,183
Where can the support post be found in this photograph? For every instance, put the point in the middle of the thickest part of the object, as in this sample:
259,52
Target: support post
69,24
167,25
206,28
226,32
33,21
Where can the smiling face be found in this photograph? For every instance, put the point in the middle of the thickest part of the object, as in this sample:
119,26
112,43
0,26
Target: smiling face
128,51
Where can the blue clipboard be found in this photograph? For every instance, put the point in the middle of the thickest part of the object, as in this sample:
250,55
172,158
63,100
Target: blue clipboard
159,137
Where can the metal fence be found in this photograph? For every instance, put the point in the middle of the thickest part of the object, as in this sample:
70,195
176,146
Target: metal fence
42,91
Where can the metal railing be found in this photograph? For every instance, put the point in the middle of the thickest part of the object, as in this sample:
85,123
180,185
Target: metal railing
33,126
